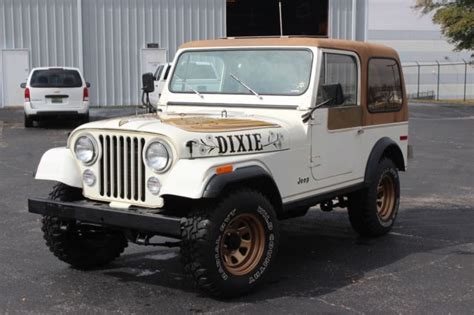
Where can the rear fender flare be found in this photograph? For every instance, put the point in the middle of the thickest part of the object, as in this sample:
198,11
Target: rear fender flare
380,148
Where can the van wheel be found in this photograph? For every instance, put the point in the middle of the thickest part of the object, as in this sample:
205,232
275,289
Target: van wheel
372,211
84,119
83,246
228,248
28,121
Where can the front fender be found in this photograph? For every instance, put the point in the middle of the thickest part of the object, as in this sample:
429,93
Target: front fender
59,165
191,178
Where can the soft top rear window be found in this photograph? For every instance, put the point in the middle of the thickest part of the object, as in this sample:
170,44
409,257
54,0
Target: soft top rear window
52,78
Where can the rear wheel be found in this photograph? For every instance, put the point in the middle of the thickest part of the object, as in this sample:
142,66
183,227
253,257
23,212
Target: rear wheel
28,121
228,248
85,118
372,211
81,245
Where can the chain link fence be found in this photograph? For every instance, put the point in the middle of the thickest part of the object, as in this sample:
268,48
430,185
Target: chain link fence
439,80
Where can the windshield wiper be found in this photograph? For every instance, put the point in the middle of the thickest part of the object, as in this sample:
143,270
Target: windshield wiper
189,86
244,85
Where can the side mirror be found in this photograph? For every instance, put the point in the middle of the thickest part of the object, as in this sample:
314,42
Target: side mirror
334,93
148,80
23,85
88,85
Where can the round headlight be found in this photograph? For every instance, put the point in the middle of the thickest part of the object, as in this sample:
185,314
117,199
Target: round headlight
84,149
157,156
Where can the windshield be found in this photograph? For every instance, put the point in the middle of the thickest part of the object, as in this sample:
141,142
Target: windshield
55,78
260,72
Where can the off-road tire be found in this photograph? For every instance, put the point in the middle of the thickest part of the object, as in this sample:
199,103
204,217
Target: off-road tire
83,246
28,121
206,239
371,212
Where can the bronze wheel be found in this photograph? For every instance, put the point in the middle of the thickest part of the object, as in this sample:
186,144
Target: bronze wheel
229,246
386,197
373,210
242,244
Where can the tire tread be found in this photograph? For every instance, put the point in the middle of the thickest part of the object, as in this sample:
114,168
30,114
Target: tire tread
196,242
55,233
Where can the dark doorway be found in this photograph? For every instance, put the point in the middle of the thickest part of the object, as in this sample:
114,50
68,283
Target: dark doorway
261,17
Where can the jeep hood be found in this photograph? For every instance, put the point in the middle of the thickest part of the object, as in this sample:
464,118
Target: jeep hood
204,135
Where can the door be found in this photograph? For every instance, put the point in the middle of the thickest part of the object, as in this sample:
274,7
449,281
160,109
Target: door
163,77
336,128
16,66
155,95
151,58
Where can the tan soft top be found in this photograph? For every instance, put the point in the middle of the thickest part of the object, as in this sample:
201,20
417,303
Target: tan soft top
364,50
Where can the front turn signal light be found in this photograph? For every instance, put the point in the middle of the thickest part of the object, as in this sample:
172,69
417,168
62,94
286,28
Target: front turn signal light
224,169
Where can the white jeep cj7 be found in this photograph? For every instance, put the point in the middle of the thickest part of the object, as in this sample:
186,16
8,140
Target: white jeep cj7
264,130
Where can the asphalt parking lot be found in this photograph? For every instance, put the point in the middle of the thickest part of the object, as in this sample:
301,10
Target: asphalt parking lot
424,266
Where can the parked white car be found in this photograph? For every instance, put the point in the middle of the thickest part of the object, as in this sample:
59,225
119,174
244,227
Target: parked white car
55,92
161,74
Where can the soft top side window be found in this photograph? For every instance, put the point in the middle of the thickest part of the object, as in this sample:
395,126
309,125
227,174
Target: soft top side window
338,72
384,92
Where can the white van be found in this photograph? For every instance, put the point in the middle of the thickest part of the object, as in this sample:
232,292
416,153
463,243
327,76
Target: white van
55,92
161,74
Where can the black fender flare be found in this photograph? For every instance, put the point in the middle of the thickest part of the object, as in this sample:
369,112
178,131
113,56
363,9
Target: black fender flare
217,183
380,148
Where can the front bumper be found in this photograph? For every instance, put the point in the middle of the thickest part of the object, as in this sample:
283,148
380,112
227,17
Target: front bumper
99,213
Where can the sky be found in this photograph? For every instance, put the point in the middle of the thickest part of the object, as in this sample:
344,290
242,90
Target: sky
398,15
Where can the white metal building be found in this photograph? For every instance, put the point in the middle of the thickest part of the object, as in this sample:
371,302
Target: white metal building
106,38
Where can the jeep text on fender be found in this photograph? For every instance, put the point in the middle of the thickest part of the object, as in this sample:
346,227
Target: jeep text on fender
266,129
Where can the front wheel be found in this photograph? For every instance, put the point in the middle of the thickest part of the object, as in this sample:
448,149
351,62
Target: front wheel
82,245
28,121
228,247
372,211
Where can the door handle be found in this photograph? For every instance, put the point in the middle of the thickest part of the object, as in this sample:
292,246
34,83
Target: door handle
360,131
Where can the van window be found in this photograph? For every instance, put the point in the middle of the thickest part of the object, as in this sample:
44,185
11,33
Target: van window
53,78
385,87
158,72
338,69
167,72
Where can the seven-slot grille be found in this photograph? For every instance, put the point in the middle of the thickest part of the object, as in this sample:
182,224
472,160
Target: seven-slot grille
121,168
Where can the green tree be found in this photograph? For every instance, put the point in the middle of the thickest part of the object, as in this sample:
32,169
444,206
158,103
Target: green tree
456,18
